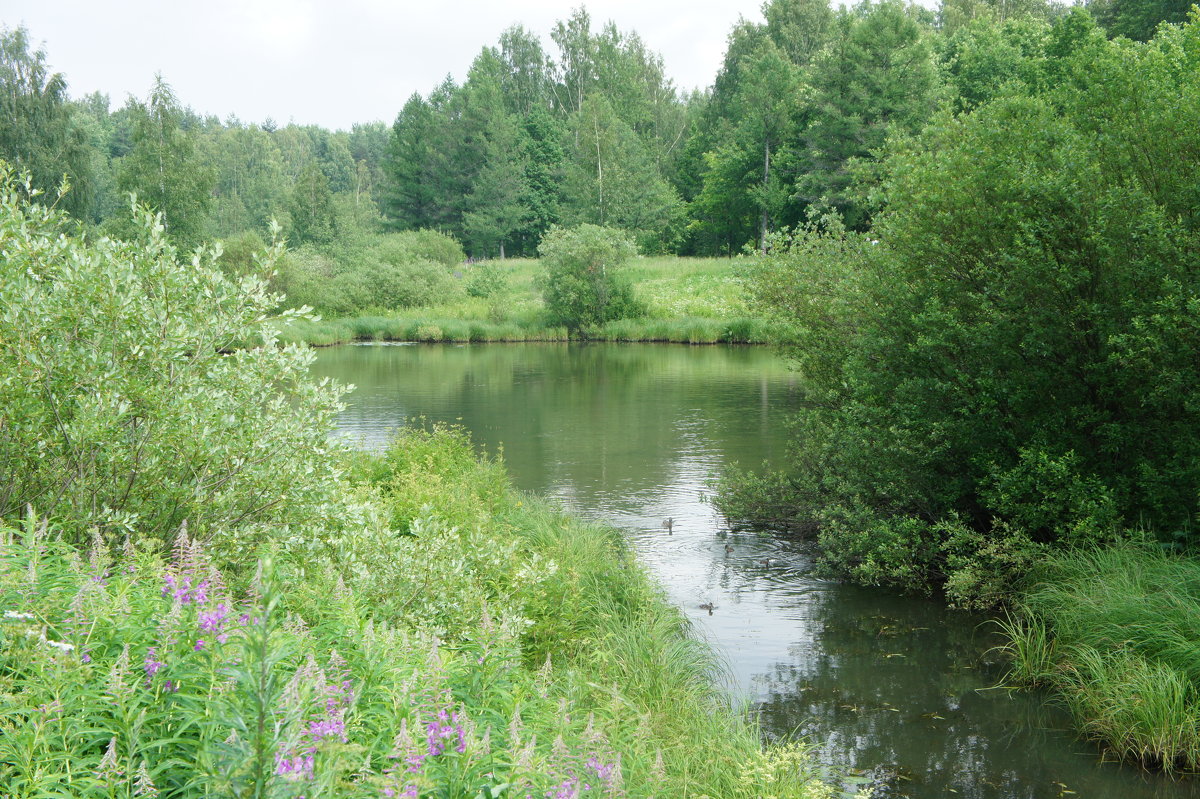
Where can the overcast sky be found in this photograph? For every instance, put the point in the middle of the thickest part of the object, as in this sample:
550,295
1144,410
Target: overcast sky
331,63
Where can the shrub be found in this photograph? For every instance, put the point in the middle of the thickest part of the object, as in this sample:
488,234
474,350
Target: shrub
581,280
138,391
486,279
406,284
241,255
1016,337
418,245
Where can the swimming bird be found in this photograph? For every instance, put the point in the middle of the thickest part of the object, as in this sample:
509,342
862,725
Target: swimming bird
728,549
710,607
668,523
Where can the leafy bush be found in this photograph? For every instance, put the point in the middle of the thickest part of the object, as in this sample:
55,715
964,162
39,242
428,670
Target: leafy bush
581,280
138,392
1016,338
418,245
310,277
487,279
241,255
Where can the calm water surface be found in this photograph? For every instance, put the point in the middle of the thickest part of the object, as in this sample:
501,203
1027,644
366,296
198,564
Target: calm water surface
635,434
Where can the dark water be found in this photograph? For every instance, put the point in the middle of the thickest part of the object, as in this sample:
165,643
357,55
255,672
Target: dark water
635,434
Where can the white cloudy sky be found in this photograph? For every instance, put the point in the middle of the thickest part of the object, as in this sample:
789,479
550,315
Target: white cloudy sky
331,63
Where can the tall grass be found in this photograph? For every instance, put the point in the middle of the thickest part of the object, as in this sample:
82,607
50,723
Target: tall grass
1116,633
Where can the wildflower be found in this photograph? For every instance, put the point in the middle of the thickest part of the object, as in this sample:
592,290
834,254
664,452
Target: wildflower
300,767
152,664
61,646
199,645
327,728
52,708
18,615
213,621
183,591
405,751
445,727
117,674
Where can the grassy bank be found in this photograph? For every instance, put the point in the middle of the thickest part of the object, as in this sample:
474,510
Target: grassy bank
687,300
1115,634
460,639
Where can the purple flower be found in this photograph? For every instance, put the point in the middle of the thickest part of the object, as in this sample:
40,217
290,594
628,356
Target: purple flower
328,728
182,590
213,621
199,645
152,663
295,768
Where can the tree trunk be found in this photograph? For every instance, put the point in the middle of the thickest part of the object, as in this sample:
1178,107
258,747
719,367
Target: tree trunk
766,176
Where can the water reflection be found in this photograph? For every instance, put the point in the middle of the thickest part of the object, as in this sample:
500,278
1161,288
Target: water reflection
634,434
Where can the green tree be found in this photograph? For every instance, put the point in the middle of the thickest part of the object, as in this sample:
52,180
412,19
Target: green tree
496,208
1138,19
164,169
877,78
311,207
1007,355
612,181
38,130
581,280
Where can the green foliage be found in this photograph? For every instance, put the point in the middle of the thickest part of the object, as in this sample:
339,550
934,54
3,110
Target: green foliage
372,271
241,255
581,279
310,206
1114,632
38,131
1012,339
164,170
876,80
140,392
420,245
1138,19
128,673
486,279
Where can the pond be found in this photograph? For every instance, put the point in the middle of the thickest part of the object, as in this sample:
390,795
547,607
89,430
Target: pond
634,435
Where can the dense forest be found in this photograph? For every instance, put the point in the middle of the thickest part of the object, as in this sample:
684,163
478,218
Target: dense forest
587,130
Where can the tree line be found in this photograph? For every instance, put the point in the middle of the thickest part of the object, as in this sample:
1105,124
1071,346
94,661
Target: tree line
589,130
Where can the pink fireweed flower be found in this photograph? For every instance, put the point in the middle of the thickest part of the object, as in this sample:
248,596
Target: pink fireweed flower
295,768
199,645
152,664
334,726
439,731
182,590
213,621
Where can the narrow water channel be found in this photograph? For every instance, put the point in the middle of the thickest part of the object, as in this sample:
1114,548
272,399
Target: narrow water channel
633,435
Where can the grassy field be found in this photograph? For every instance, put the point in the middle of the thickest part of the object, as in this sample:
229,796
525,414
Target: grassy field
688,300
